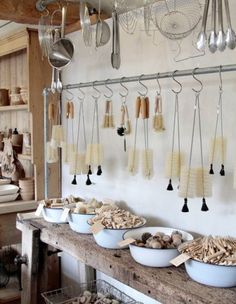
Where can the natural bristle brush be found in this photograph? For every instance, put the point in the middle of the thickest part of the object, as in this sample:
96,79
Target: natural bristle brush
125,124
94,153
174,159
78,165
108,121
52,153
218,144
158,121
195,182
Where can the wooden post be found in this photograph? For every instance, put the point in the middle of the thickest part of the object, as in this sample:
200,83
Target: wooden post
29,272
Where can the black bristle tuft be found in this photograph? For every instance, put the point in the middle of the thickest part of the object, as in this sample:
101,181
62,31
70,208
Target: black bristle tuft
74,182
204,205
99,172
185,206
90,171
211,169
222,171
88,181
170,187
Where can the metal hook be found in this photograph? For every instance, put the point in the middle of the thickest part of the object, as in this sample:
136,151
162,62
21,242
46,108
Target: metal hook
159,85
142,84
83,94
181,87
123,86
221,82
71,95
106,86
199,81
95,89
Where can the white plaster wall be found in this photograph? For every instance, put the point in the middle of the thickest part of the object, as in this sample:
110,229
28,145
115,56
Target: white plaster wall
149,197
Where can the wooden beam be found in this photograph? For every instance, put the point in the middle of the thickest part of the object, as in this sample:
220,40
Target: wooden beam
24,11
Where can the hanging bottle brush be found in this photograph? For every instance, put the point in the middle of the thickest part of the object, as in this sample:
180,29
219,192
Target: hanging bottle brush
174,159
147,155
218,144
195,182
94,153
133,153
64,144
158,121
108,120
78,165
51,152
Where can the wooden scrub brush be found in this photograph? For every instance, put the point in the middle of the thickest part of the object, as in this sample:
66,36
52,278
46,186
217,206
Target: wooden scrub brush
158,121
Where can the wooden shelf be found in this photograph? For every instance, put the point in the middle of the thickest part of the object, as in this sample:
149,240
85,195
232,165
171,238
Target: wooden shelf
17,206
24,157
167,285
23,107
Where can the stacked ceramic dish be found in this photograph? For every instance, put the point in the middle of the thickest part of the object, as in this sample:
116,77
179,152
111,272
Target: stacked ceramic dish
27,188
156,246
8,193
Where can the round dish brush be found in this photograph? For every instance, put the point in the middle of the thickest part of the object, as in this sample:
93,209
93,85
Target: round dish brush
158,121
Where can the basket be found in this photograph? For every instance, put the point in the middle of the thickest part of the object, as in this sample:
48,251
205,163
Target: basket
69,294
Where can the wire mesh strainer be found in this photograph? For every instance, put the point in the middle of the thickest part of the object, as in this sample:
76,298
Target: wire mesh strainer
128,16
176,19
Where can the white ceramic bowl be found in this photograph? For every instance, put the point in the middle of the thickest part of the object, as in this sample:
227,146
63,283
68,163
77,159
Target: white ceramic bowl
150,256
8,198
8,189
79,222
53,215
5,181
109,238
212,275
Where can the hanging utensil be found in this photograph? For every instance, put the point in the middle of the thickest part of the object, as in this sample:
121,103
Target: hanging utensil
221,42
44,34
212,41
230,33
218,145
174,159
103,32
115,55
51,152
147,17
85,23
63,49
202,37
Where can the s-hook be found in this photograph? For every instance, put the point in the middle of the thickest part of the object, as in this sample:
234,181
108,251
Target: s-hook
143,85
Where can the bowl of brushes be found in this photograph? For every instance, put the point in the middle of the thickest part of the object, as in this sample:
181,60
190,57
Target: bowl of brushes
79,216
156,246
53,209
114,222
212,261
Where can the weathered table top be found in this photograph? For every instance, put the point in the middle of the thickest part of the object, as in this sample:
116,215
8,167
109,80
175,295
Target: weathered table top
167,285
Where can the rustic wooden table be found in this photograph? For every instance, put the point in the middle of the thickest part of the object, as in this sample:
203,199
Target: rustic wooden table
167,285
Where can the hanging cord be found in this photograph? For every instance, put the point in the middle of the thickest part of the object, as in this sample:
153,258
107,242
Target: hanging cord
204,205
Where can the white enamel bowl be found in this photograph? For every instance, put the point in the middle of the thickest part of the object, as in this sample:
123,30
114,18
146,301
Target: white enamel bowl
212,275
154,257
8,189
53,215
109,238
79,222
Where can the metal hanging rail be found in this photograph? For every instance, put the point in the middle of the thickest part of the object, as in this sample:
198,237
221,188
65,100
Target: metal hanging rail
199,71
